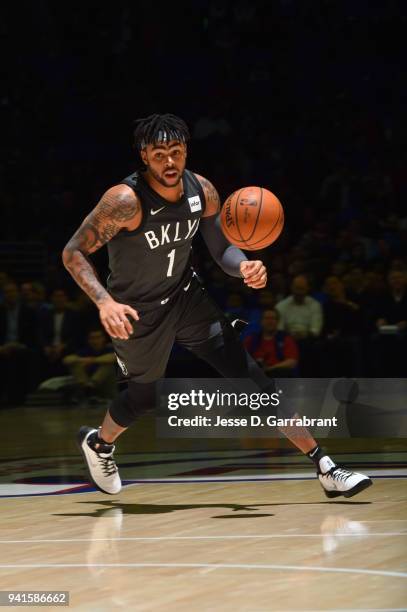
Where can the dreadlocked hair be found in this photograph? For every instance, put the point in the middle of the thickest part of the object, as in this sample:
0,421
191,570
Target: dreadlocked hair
159,128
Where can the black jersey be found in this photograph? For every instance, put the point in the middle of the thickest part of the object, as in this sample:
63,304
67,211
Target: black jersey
149,264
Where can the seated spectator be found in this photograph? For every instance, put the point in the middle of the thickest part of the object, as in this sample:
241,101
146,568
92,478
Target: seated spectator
372,293
354,281
392,309
342,331
93,367
390,339
275,350
301,316
60,329
18,340
33,295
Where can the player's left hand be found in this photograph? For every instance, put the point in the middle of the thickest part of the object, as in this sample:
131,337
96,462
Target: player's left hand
254,274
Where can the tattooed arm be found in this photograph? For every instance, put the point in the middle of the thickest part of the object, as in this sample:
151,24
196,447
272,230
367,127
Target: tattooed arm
231,259
118,208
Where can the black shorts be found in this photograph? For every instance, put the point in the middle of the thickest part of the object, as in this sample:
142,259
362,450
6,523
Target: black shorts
190,318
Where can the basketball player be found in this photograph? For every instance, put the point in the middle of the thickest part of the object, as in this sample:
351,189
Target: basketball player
153,297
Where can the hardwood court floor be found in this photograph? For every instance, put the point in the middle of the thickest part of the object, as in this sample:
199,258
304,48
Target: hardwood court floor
251,546
232,529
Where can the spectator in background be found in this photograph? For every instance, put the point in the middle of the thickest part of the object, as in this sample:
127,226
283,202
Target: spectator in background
354,281
93,367
275,350
301,316
338,268
392,309
390,340
18,340
60,329
370,295
342,343
87,313
33,295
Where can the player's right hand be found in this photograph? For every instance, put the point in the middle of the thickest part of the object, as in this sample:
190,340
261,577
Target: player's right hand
115,320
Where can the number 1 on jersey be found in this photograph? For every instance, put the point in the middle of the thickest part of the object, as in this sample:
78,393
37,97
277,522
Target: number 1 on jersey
171,256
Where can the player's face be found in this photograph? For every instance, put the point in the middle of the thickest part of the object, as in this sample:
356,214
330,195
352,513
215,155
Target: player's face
165,162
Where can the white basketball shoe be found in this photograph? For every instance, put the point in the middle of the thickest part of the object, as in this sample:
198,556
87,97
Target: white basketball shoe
336,480
101,466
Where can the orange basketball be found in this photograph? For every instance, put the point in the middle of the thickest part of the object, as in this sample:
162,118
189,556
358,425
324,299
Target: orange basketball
252,218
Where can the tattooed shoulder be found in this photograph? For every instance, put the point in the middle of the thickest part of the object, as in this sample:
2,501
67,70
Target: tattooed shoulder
118,208
118,205
126,204
211,196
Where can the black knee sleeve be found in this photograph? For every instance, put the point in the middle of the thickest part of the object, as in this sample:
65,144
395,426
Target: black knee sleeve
233,361
132,403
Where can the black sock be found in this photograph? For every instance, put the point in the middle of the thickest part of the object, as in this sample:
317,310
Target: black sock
101,440
316,454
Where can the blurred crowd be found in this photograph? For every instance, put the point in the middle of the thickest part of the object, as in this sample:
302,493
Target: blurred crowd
52,342
342,328
305,99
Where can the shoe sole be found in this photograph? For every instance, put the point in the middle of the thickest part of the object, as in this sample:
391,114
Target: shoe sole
83,432
361,486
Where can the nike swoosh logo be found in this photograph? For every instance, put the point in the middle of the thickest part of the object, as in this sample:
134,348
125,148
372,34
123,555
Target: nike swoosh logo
157,210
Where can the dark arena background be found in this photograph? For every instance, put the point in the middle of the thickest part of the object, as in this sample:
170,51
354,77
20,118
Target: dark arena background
306,99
